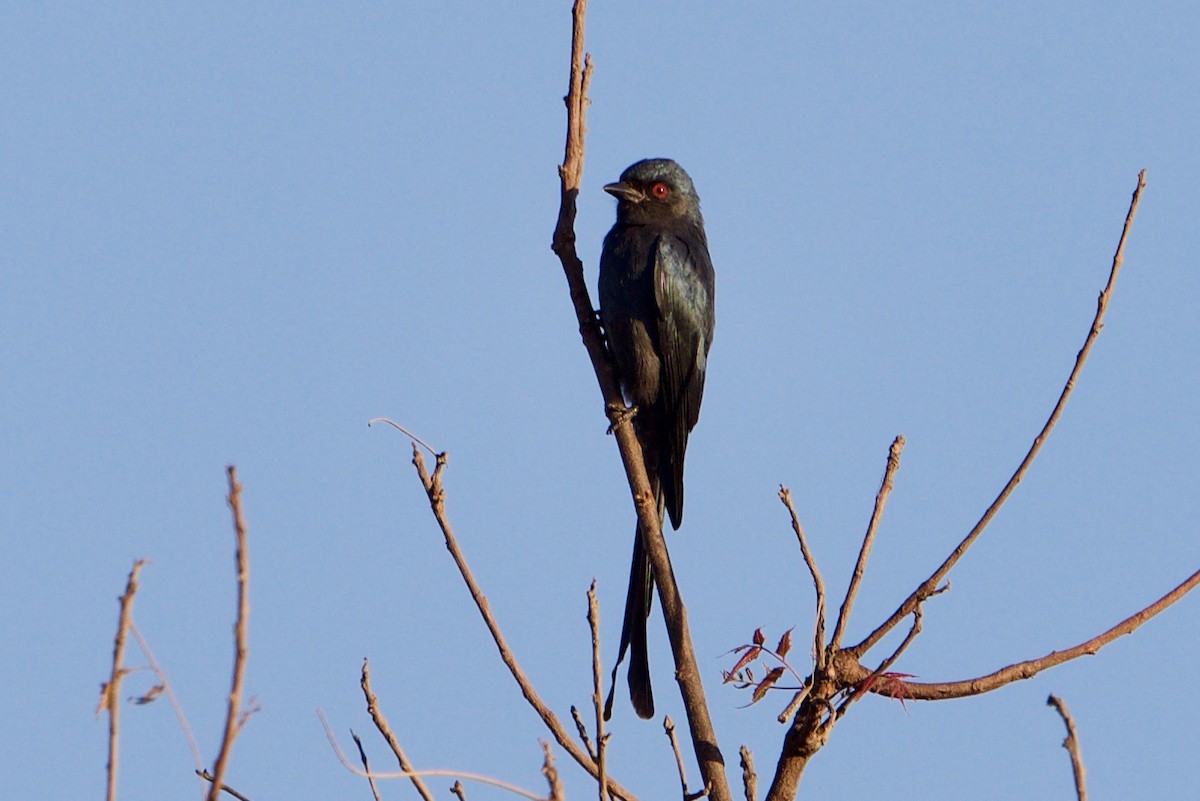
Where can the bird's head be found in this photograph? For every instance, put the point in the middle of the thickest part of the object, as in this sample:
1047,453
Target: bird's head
655,190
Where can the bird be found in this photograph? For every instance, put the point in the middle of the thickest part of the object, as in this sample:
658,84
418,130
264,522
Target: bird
656,290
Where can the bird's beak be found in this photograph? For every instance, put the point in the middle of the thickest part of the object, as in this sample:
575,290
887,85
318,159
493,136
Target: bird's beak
623,191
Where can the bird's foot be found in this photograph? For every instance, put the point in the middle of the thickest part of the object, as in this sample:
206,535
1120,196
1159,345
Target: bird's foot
619,415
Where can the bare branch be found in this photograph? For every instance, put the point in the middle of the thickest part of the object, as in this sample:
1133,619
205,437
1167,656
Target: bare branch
593,618
381,723
110,691
458,790
920,691
864,686
819,655
232,718
551,773
362,755
669,729
749,777
581,728
885,488
1072,746
437,501
930,584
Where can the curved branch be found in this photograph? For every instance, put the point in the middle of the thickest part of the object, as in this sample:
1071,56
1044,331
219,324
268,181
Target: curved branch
930,584
921,691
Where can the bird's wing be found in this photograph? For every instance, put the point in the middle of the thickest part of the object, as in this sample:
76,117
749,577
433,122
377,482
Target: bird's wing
682,287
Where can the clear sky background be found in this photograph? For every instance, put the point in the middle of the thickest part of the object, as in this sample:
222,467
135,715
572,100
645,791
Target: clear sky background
235,234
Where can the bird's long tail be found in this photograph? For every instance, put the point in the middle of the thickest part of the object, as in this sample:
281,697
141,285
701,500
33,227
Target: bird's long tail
633,630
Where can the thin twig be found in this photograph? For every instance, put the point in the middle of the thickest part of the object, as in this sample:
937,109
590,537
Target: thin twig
581,728
232,720
1071,743
362,753
551,773
403,431
749,777
669,728
593,618
161,675
929,585
459,790
381,723
885,488
408,774
110,691
785,495
225,788
437,501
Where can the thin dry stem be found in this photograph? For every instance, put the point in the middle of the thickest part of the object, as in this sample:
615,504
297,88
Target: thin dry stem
581,729
110,691
819,655
381,724
551,773
459,790
593,618
860,566
161,675
407,774
1071,743
437,501
930,584
232,719
749,777
366,763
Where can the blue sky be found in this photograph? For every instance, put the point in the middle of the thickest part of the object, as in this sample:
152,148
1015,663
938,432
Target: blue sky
235,234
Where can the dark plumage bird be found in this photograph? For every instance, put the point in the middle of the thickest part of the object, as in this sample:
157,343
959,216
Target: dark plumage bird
656,304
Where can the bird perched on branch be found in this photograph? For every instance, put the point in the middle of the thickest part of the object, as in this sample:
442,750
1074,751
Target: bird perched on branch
656,304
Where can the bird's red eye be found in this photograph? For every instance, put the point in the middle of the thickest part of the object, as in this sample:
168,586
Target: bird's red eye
660,190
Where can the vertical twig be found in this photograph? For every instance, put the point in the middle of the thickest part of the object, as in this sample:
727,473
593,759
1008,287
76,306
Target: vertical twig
551,773
593,617
1071,743
110,691
749,777
381,723
885,488
366,763
170,693
819,655
232,721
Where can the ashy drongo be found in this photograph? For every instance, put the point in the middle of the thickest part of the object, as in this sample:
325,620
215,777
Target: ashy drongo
656,305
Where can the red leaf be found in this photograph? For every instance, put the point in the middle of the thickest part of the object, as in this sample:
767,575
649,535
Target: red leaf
758,637
766,683
785,644
747,658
